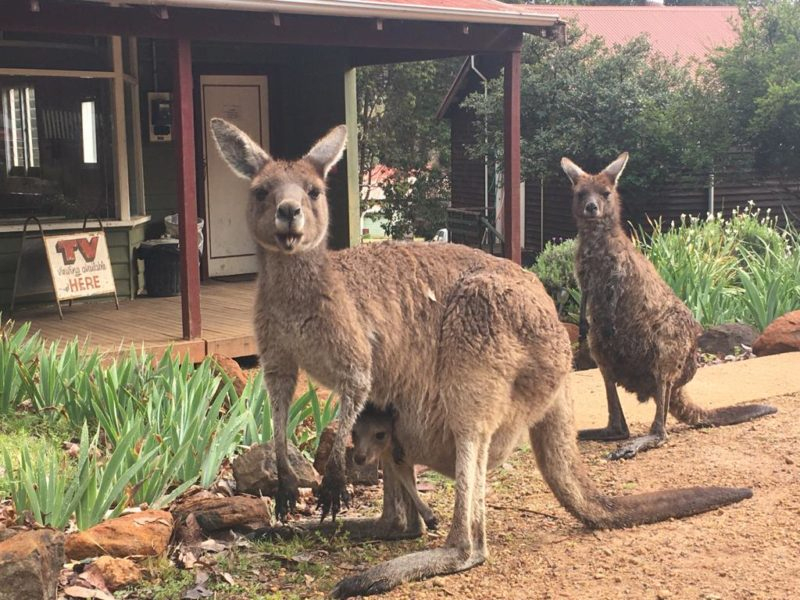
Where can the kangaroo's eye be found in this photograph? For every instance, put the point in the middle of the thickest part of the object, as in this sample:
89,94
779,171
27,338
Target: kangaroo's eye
314,193
606,194
380,436
261,194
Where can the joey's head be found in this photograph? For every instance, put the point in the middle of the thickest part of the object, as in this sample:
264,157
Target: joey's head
287,210
595,198
372,434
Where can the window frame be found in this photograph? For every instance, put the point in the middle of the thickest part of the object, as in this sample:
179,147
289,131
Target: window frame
119,146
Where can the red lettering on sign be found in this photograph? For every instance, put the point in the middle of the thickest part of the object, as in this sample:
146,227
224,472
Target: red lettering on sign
67,250
86,246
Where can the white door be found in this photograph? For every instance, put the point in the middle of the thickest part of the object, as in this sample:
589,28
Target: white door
242,100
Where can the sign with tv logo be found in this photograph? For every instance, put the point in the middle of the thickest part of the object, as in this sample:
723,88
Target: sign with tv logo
79,264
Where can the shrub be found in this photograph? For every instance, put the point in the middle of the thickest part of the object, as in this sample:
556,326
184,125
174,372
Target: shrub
555,267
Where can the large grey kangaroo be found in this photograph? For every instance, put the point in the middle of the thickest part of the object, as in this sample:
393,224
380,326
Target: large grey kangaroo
641,335
466,347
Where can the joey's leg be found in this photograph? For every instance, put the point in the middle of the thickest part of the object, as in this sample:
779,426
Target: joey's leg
457,554
617,428
658,430
404,473
281,382
333,491
399,520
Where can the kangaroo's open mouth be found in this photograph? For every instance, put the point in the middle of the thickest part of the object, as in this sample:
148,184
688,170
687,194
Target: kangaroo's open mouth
288,241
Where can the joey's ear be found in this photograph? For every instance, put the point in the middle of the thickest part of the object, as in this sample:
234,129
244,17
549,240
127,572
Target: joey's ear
328,150
573,171
614,170
242,154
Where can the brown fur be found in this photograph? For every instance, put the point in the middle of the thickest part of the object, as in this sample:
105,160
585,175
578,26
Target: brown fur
374,440
466,347
642,336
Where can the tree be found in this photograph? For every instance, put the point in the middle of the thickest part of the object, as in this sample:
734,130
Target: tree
591,102
397,116
761,79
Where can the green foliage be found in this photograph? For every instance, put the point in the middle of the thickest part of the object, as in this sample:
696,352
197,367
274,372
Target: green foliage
162,426
416,204
591,102
555,268
761,78
738,269
397,121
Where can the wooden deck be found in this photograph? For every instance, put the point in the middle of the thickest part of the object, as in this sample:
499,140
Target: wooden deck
155,323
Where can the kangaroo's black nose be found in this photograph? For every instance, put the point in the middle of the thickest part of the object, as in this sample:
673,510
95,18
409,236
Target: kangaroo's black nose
591,208
288,211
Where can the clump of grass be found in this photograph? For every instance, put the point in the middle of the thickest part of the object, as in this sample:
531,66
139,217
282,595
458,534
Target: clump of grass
158,427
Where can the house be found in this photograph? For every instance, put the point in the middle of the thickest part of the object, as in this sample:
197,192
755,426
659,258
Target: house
687,33
106,107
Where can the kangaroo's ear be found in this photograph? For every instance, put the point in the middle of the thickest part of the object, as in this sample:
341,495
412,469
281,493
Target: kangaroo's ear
614,170
573,171
328,150
242,154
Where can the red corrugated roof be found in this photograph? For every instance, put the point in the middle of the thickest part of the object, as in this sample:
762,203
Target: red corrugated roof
688,31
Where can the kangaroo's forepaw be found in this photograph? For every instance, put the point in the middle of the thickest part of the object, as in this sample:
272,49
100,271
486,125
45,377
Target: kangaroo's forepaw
333,495
432,523
285,500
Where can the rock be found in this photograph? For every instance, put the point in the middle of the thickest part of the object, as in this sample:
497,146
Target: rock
782,335
30,563
233,371
572,332
256,473
144,533
115,572
210,515
725,339
359,474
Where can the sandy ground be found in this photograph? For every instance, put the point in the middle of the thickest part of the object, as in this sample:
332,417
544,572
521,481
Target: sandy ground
749,550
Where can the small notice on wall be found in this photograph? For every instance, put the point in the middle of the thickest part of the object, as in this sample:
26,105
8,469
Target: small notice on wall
79,264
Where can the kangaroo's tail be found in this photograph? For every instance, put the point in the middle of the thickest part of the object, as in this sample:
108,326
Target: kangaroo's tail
553,442
682,408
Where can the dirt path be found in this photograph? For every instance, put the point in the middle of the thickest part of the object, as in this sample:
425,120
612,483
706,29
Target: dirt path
747,551
750,550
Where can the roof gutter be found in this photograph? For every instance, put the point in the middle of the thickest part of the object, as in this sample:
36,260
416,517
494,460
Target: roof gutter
362,9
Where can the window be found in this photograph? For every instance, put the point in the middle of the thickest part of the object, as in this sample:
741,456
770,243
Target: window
56,157
22,139
89,130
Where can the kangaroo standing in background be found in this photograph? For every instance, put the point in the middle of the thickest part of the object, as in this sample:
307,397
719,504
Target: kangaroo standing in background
641,335
467,347
375,438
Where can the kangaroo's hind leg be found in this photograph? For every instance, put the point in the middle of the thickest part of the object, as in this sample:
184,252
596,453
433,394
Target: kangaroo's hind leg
658,430
458,554
617,428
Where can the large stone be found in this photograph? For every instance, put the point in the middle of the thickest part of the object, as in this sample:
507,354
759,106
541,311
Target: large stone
726,339
232,370
209,515
30,563
782,335
115,572
256,473
144,533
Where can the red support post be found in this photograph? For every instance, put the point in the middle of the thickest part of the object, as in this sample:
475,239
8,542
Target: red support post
187,190
511,157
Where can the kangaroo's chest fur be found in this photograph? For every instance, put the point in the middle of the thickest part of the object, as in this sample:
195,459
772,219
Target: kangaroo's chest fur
639,328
